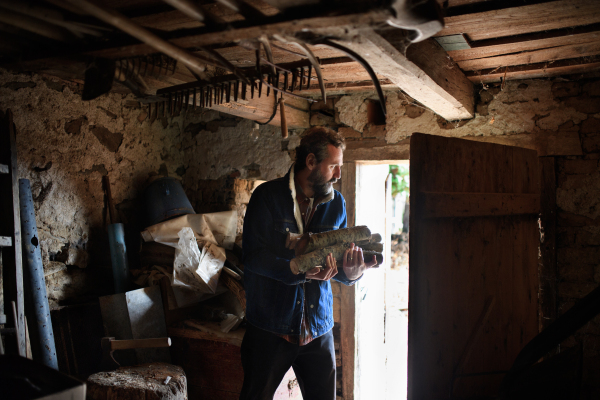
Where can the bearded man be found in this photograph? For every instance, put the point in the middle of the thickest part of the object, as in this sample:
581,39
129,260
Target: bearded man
290,317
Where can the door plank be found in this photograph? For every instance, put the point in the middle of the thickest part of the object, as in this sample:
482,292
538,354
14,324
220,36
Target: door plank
443,205
458,263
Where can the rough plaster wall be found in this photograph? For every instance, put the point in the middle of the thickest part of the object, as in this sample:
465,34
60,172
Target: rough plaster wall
64,148
521,107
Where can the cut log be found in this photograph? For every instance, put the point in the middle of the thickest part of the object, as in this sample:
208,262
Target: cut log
317,258
146,381
376,247
375,238
330,238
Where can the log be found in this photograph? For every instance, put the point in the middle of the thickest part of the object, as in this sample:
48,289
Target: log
146,381
376,247
330,238
308,261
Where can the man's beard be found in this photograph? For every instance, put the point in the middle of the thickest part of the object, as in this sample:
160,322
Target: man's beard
320,186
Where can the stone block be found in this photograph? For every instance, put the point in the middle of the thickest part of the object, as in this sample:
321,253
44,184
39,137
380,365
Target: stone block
588,236
375,131
565,89
321,105
485,97
321,119
584,104
573,182
111,140
579,255
348,132
590,125
482,109
592,88
579,166
569,219
565,237
574,290
590,143
412,111
576,272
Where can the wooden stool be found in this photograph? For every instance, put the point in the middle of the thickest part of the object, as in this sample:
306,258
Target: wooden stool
142,382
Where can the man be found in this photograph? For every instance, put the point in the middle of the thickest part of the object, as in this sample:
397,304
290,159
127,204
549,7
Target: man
291,316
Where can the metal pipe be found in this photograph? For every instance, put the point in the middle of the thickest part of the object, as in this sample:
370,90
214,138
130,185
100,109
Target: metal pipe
118,257
42,343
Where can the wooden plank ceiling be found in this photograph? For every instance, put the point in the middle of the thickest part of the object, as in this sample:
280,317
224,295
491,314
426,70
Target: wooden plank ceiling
497,39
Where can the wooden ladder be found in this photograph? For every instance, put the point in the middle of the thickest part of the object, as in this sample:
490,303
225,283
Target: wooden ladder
11,265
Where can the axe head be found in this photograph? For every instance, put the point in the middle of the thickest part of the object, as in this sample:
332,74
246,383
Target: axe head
108,361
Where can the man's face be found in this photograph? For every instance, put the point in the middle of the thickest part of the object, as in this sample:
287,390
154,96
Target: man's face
327,172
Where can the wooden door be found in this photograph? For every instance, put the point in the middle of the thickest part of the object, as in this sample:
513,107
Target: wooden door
473,264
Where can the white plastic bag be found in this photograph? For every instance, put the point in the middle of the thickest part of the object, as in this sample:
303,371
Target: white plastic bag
196,269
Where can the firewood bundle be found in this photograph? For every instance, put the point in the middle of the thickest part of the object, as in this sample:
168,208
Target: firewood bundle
312,249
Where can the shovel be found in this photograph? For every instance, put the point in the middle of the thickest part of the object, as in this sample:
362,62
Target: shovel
116,240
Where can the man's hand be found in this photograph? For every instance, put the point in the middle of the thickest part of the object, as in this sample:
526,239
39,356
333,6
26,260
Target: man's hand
354,264
325,274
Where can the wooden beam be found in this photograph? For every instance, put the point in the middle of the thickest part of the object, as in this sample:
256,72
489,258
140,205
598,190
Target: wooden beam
427,75
348,293
524,19
548,268
260,109
443,205
250,32
539,70
559,52
531,43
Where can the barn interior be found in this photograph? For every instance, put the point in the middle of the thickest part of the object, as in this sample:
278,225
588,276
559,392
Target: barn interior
496,105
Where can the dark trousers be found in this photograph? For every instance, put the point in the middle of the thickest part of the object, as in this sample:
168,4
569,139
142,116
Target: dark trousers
267,357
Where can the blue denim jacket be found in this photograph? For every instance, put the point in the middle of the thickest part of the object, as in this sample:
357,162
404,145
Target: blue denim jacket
274,295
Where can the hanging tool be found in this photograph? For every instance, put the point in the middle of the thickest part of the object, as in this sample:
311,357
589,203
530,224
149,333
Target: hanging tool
284,129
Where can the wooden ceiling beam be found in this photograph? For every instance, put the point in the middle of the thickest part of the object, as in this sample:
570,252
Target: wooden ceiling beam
524,19
539,70
285,27
559,52
426,73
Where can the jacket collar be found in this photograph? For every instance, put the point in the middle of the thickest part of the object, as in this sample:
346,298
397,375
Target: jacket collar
297,214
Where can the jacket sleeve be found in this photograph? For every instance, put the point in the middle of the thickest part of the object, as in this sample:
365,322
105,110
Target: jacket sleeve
341,275
260,254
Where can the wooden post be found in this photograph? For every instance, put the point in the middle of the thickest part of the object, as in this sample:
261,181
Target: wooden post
347,293
548,270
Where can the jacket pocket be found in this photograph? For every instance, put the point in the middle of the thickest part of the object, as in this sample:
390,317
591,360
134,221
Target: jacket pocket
284,226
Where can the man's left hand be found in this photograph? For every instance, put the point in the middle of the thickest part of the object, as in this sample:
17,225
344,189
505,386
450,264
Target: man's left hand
354,263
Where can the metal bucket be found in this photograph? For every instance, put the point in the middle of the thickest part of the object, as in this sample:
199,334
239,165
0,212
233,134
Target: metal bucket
164,199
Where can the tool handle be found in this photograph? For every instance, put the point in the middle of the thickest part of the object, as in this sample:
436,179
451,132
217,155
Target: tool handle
140,343
111,205
284,129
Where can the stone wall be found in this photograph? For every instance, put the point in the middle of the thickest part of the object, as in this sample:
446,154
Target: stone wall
64,147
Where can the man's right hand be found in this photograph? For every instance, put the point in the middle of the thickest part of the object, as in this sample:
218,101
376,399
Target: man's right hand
324,274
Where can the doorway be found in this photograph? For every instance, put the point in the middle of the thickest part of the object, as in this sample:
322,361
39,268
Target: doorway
382,195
